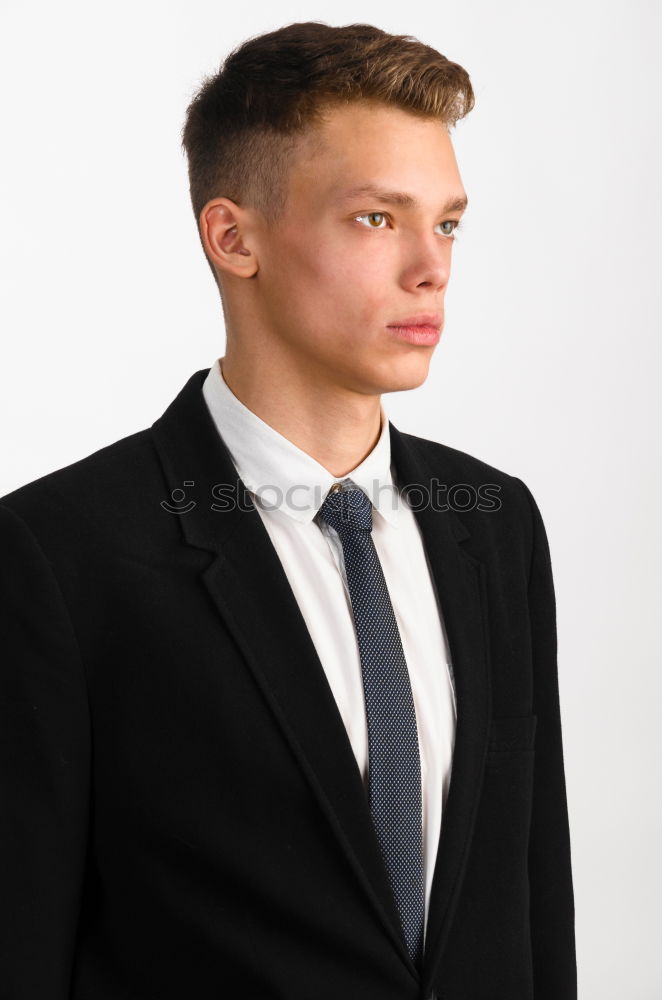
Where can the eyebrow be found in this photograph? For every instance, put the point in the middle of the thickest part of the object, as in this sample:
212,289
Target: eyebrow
456,203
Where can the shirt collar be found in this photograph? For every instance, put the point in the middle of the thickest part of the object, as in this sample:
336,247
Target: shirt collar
282,476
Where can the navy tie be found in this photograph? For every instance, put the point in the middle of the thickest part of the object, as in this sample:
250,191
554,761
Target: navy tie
394,771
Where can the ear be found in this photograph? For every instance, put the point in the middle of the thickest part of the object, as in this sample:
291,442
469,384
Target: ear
223,226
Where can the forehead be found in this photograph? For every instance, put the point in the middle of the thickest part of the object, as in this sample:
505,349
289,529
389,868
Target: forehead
365,147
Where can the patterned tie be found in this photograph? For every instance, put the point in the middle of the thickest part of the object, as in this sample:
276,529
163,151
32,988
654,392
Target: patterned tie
394,774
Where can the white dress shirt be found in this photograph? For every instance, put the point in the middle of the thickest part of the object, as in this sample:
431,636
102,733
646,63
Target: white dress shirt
288,487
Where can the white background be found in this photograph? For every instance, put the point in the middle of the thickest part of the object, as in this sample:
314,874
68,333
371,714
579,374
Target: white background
548,366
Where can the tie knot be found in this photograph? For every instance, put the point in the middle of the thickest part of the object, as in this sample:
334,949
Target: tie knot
347,510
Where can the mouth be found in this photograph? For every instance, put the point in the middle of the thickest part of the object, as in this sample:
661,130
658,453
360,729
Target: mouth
423,329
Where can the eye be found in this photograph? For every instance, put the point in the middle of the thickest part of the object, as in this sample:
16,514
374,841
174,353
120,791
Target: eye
376,218
455,223
371,216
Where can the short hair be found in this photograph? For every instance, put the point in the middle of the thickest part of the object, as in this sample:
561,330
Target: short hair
244,122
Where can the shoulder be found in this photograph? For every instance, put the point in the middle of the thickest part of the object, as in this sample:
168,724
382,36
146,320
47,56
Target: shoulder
460,463
495,506
96,489
455,468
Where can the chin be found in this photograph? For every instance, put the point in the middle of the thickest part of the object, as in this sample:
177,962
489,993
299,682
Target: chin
398,382
403,376
389,375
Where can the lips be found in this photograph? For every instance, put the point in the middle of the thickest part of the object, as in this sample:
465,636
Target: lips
420,319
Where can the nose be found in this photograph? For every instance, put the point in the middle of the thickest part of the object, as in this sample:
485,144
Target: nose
428,265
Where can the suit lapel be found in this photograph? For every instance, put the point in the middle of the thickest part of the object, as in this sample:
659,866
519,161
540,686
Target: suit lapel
461,587
249,587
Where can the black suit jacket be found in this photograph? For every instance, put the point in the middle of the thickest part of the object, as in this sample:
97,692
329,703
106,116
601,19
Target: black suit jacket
182,812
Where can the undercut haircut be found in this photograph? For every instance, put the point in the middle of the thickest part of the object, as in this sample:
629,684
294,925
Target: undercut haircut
246,121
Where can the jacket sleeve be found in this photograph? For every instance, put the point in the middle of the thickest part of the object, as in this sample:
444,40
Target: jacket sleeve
551,907
44,772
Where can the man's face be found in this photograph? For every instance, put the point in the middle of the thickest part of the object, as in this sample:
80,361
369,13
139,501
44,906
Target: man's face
340,269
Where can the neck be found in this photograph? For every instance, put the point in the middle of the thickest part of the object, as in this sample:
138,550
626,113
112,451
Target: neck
336,427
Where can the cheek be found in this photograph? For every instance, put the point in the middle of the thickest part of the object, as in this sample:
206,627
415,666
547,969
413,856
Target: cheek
348,277
332,294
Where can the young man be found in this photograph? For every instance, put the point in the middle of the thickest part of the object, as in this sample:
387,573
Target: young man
280,710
